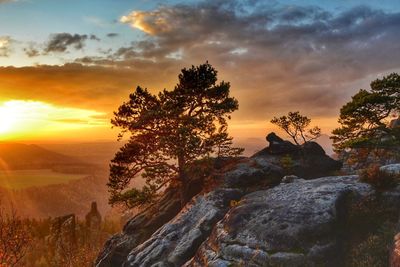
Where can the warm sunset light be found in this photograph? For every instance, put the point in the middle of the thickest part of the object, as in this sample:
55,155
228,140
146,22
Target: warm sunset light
199,133
8,116
25,118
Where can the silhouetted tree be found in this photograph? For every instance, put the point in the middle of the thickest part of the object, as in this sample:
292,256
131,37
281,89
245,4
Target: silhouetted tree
296,126
364,121
169,132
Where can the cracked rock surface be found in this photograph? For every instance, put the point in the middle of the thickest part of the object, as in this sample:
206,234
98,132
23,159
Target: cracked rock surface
296,224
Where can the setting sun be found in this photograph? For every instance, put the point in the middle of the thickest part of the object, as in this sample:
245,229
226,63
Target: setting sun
20,118
8,116
199,133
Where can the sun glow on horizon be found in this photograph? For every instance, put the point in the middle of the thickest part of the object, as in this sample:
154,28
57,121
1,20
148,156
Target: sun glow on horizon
23,119
8,117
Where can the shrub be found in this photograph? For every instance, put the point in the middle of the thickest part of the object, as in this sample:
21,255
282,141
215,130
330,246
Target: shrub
287,163
379,179
374,250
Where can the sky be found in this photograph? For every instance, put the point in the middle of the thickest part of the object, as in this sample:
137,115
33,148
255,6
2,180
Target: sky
65,66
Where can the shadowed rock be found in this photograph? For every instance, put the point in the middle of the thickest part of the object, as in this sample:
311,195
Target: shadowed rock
93,218
307,161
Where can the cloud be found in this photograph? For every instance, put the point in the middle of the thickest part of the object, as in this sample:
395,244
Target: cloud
60,42
94,38
87,87
277,57
31,51
5,46
112,35
151,22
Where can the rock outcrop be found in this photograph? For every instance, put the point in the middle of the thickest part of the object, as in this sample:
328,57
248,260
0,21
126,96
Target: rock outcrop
307,161
138,229
391,168
295,224
93,218
245,216
177,241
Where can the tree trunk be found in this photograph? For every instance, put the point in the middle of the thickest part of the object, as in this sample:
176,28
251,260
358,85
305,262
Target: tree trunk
183,181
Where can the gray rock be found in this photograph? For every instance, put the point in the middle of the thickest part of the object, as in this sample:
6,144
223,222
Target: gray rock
308,160
177,241
395,123
139,229
295,224
290,179
252,172
391,168
287,259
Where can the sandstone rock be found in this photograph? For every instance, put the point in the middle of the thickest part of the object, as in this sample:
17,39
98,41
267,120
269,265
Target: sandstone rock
395,123
177,241
308,160
295,224
248,173
290,179
138,229
278,146
391,168
93,218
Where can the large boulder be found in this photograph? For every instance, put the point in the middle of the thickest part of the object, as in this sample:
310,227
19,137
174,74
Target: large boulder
308,160
245,174
294,224
177,241
165,235
278,146
139,229
391,168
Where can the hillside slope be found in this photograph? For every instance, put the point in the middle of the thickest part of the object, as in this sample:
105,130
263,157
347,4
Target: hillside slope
21,156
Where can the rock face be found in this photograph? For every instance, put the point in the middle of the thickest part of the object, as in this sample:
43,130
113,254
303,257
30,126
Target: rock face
246,217
307,161
394,123
391,168
177,241
143,225
93,218
138,229
296,224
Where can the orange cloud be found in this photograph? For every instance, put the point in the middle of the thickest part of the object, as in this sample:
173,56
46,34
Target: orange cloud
150,22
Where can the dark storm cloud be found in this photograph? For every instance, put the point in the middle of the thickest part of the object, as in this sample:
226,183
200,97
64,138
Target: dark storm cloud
60,42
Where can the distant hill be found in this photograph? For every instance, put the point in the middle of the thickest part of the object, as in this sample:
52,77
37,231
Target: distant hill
99,153
16,156
59,199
